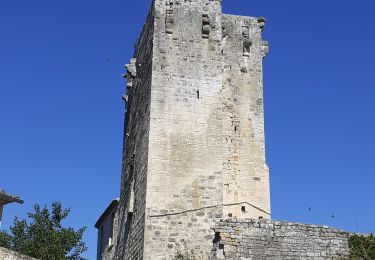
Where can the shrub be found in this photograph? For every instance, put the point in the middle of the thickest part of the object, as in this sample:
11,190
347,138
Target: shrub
362,247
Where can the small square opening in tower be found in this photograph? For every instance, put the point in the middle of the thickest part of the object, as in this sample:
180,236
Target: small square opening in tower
246,48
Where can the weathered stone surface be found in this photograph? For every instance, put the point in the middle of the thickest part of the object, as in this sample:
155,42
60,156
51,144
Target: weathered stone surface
194,129
264,239
6,254
131,215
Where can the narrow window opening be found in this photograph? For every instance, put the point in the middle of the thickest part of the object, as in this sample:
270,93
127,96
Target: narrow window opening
110,239
169,19
205,26
230,215
246,48
197,94
243,209
245,31
235,128
224,32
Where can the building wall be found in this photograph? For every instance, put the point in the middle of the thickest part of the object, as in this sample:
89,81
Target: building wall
131,219
185,162
106,233
194,130
245,173
6,254
185,131
263,239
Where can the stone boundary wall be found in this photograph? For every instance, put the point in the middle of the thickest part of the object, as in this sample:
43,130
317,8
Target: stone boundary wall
264,239
6,254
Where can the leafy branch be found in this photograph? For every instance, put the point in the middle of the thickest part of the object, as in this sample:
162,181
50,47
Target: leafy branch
362,247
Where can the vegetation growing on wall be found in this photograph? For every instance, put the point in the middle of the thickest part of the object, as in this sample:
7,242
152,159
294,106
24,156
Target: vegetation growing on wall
362,247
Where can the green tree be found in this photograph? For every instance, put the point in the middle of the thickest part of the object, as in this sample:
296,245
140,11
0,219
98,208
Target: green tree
362,247
4,239
43,236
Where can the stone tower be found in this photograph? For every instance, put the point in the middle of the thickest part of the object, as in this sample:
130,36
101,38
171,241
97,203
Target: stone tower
194,149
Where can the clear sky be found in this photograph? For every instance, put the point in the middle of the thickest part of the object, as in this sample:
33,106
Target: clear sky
61,113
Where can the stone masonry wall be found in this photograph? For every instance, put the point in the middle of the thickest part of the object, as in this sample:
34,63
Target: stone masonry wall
263,239
106,232
185,148
206,143
194,139
245,173
6,254
130,220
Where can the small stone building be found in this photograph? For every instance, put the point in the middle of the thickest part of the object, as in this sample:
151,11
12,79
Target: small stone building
106,231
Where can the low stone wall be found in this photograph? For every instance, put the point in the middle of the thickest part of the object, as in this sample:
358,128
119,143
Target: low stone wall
264,239
6,254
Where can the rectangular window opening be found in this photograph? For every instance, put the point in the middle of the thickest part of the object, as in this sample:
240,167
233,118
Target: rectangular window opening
205,26
110,240
246,49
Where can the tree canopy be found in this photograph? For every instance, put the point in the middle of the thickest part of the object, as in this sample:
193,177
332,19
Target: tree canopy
43,236
362,247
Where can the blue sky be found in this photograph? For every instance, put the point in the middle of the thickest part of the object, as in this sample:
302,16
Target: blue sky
61,113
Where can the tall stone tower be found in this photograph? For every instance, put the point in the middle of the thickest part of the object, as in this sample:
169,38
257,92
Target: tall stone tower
194,149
